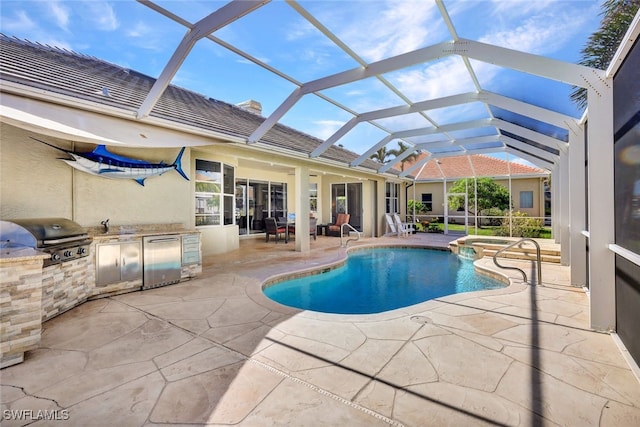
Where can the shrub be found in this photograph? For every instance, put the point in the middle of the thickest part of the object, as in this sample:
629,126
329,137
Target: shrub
491,212
523,226
420,207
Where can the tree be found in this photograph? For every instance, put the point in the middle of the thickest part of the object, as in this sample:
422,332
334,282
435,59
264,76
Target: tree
416,206
382,155
603,44
490,195
402,147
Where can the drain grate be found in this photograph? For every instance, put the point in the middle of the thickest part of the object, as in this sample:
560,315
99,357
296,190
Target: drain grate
420,319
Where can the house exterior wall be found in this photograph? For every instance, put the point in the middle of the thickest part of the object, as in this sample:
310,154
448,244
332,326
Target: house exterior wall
34,183
517,185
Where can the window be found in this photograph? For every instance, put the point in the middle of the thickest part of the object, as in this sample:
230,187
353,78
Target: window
526,199
313,198
393,190
214,193
427,201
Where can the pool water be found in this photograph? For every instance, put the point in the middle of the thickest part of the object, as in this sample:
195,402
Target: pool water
377,280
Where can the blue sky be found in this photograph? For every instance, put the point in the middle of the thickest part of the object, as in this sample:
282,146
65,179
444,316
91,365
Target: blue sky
132,35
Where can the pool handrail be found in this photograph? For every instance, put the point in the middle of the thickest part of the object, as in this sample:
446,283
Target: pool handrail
524,275
342,233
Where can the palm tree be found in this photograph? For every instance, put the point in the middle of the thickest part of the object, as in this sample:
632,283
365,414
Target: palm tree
603,44
382,155
402,147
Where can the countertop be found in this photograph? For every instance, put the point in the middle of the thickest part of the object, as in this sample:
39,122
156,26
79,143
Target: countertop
21,254
129,232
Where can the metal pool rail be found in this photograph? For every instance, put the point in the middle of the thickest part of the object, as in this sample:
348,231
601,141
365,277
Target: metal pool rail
524,275
348,240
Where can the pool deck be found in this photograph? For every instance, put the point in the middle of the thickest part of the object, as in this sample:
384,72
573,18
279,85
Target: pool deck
216,351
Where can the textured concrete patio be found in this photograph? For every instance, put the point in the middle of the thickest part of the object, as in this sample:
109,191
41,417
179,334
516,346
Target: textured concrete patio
216,351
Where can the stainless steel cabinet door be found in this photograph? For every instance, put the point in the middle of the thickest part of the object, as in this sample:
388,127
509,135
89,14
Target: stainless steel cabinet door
131,265
162,260
107,264
118,262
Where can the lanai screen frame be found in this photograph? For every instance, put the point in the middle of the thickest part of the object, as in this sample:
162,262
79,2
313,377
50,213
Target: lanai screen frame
466,49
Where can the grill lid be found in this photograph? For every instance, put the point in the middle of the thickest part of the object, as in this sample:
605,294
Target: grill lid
42,231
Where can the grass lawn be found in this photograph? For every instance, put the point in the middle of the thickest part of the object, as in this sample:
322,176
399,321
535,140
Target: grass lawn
486,230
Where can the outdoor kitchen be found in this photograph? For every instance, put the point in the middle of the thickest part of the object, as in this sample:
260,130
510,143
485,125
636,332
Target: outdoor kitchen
50,265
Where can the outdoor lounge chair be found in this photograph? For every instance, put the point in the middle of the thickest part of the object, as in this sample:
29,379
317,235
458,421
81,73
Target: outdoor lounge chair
391,226
404,228
336,228
273,229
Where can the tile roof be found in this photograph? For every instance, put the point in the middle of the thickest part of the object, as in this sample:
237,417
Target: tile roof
461,166
84,77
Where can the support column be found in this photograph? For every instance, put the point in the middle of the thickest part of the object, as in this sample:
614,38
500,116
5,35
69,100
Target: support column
555,203
303,242
565,240
601,213
577,190
446,206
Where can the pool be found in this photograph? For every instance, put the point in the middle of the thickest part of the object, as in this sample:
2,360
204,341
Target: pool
382,279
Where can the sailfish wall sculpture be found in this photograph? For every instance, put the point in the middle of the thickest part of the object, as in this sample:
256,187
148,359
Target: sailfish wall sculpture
101,162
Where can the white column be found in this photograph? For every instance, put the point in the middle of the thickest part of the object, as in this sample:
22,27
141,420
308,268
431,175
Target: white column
601,213
446,206
578,253
303,243
565,241
555,203
511,202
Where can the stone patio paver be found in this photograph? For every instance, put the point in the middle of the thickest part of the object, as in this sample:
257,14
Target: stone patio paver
216,351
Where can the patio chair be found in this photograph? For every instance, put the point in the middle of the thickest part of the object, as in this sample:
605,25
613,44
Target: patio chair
336,228
391,226
404,228
273,229
313,228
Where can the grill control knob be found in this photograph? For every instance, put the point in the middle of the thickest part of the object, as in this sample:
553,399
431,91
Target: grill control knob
82,251
68,253
55,257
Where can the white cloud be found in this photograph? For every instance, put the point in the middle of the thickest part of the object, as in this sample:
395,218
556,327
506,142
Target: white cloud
400,26
325,128
140,29
102,15
514,8
20,22
60,13
435,80
300,29
542,31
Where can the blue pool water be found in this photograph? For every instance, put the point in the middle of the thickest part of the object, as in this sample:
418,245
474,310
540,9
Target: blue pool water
377,280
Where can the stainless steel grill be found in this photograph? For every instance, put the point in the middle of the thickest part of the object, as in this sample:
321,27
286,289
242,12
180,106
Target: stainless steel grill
62,238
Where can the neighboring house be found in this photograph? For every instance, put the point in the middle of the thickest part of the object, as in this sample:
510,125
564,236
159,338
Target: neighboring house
75,102
437,176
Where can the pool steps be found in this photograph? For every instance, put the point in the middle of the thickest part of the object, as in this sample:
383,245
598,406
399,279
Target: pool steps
485,248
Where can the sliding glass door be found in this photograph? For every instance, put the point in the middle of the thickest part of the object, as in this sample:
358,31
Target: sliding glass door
347,198
257,200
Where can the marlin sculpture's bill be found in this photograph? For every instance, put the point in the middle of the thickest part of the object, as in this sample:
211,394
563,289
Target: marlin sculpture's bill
103,163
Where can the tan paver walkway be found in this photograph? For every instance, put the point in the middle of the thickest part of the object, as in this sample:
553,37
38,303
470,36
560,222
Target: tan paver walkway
216,351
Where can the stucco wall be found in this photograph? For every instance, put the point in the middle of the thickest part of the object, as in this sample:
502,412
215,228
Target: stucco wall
34,183
517,185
